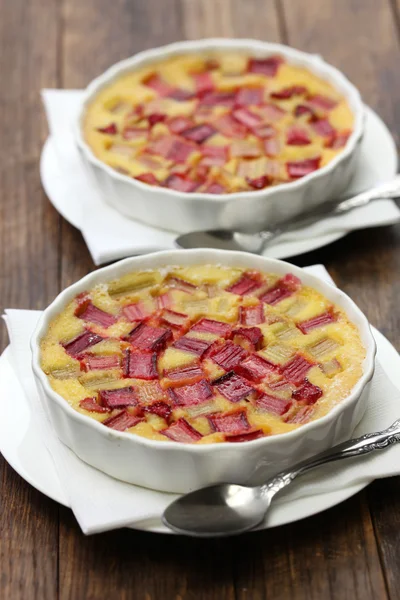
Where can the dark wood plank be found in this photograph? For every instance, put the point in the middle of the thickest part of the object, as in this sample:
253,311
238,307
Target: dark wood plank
29,269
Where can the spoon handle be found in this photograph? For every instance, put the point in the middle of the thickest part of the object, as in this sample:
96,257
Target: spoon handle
356,447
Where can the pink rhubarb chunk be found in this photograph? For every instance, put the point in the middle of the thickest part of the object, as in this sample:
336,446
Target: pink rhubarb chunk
89,312
266,66
230,127
157,84
244,285
122,421
272,404
182,431
233,387
320,321
302,415
252,315
285,287
229,355
110,129
179,124
255,368
302,109
249,95
174,319
289,92
323,102
172,148
147,337
149,392
180,183
184,375
297,369
234,423
161,409
140,366
79,344
147,178
203,83
245,437
199,133
192,345
250,338
246,117
189,395
218,99
339,140
135,312
94,363
308,392
210,326
118,398
91,405
300,168
323,128
272,147
259,182
297,136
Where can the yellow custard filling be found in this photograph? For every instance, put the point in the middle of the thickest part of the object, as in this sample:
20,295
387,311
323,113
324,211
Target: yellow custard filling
202,354
218,123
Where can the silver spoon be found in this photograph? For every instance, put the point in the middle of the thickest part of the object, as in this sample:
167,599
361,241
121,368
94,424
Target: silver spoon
257,242
229,509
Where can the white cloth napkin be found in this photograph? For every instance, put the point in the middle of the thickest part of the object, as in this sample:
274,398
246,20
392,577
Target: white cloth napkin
101,503
110,236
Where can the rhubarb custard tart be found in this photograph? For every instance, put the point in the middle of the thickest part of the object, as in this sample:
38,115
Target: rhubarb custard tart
202,353
218,123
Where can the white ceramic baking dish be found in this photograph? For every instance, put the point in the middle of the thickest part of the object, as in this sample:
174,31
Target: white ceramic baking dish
177,467
247,211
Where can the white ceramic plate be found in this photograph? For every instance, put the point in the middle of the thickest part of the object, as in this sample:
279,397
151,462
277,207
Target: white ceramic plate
377,162
23,448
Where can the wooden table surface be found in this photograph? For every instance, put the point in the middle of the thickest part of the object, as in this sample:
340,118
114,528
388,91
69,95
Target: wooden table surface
348,552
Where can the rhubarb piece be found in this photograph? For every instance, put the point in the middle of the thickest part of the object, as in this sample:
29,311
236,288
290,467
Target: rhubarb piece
122,421
300,168
94,363
289,92
246,117
255,368
272,404
203,409
245,437
218,99
199,133
149,392
323,128
250,95
156,118
67,372
272,147
271,112
179,124
191,394
130,283
339,140
203,83
249,338
174,319
136,312
79,344
89,312
111,129
118,398
163,301
282,386
181,184
285,287
215,188
230,127
302,109
308,393
91,405
182,431
259,182
252,315
147,178
210,326
229,355
133,133
245,149
265,66
161,409
233,387
172,148
264,131
183,375
244,285
215,151
181,284
147,337
322,347
323,102
301,416
296,370
212,161
278,354
192,345
320,321
140,366
156,83
180,95
297,136
331,367
235,422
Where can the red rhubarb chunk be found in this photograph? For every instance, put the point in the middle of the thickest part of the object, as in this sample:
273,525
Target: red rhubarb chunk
255,368
192,345
246,117
301,416
296,370
272,147
122,421
259,182
323,128
161,409
300,168
210,326
339,140
157,84
147,337
212,161
147,178
135,312
245,437
174,319
271,112
266,66
233,387
284,288
252,315
218,99
320,321
163,301
180,183
140,366
229,355
182,431
118,398
110,129
89,312
189,395
181,284
156,118
234,422
215,151
94,363
230,127
289,92
91,405
184,375
199,133
244,285
214,188
297,136
302,109
250,338
272,404
78,345
180,95
250,95
308,392
323,102
264,131
172,148
179,124
203,83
